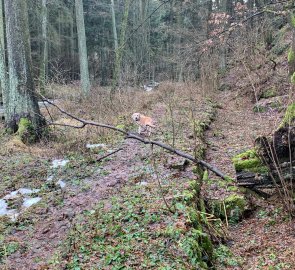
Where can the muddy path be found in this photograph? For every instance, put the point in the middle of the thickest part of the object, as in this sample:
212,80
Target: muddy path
53,222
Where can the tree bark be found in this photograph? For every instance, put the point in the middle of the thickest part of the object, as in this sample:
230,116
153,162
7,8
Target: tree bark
3,69
44,45
291,54
84,70
21,95
114,25
119,51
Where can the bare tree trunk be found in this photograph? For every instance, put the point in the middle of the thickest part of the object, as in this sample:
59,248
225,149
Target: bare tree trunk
22,97
114,25
3,70
291,54
72,43
119,51
44,46
84,71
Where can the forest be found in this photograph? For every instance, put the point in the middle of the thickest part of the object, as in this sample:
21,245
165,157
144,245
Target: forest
147,134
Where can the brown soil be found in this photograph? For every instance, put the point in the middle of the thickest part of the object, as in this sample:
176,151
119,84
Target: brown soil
42,239
266,239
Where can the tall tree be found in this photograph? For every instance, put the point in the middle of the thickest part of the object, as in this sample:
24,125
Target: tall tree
3,70
120,50
114,25
84,71
291,54
21,95
44,52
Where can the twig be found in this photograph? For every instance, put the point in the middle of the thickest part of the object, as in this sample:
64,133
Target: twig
109,154
129,135
225,214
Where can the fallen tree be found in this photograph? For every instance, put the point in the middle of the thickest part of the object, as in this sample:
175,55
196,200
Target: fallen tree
130,135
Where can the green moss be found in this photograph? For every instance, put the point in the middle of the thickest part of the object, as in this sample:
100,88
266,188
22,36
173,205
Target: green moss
289,117
293,20
229,179
192,216
293,78
121,126
206,176
235,206
26,131
271,92
235,200
189,195
247,161
232,188
291,56
197,246
194,185
259,109
232,207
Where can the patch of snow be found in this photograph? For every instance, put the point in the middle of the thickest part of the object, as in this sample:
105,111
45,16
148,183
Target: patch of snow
30,201
143,183
148,88
61,183
23,191
12,213
50,178
88,145
59,163
11,195
3,207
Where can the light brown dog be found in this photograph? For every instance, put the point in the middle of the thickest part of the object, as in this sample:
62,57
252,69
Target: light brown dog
144,123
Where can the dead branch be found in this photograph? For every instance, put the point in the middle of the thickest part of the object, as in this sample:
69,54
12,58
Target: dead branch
129,135
109,154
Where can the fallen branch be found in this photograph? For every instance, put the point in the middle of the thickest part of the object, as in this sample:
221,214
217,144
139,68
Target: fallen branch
129,135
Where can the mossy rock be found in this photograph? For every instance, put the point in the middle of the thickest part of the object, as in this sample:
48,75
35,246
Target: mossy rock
289,118
26,131
248,161
233,207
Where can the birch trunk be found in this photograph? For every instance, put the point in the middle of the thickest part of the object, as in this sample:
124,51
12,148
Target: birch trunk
84,71
21,95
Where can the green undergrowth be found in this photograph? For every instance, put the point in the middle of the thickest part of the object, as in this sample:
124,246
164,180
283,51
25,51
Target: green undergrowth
135,230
